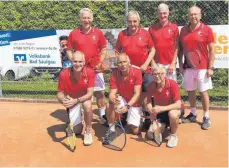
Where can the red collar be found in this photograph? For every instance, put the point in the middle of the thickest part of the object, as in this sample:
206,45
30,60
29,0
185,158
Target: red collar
81,30
166,25
167,84
83,72
136,33
196,28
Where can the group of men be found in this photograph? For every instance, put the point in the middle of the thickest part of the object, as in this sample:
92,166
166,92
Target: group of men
146,68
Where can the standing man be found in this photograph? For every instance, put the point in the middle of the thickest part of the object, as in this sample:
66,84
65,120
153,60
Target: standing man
75,86
167,102
92,43
63,45
138,45
198,36
126,81
165,36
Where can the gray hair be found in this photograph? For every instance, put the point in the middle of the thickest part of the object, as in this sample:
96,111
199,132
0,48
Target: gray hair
161,68
86,10
163,6
132,12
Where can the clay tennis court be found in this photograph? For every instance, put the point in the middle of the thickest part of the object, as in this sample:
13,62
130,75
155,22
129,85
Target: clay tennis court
32,134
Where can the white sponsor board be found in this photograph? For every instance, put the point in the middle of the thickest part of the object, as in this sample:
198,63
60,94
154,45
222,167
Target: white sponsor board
221,35
20,51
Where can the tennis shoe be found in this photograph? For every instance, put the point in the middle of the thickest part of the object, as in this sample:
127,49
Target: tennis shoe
150,133
206,123
110,136
172,141
87,139
103,120
189,118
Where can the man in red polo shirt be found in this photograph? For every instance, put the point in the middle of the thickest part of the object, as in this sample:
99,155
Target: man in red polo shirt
92,43
75,86
167,102
138,45
126,81
165,36
198,36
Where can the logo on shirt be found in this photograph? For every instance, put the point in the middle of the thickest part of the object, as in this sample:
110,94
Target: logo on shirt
140,38
199,33
167,93
169,30
85,80
93,37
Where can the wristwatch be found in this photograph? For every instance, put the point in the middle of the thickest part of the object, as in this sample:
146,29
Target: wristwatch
128,106
212,68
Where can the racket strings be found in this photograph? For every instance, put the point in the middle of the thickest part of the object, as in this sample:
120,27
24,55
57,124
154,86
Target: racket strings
117,138
193,59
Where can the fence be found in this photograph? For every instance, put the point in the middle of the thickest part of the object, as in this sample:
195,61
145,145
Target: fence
213,13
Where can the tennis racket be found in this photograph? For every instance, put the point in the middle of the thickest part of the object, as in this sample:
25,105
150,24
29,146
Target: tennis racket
71,137
153,136
108,62
180,79
192,59
116,139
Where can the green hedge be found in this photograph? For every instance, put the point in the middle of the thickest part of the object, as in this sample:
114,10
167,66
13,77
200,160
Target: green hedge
107,14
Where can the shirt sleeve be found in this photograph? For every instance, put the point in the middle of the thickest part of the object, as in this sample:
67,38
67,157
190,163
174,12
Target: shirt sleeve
150,41
176,33
113,81
138,77
102,40
60,86
91,78
70,43
210,35
175,91
118,46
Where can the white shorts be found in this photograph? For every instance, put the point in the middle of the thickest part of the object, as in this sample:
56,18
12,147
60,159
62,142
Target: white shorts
134,116
196,79
99,82
75,114
172,76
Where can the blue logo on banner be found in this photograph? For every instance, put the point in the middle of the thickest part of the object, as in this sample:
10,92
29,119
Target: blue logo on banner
5,38
20,59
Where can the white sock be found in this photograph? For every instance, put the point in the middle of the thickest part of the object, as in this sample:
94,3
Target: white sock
102,112
206,114
112,127
193,111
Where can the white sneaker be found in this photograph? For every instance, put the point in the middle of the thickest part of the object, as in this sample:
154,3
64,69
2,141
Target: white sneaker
87,139
172,142
150,132
102,121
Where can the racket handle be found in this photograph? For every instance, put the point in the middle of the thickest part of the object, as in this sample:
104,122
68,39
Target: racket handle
152,101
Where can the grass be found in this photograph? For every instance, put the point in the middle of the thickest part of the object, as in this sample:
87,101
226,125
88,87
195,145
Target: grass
48,89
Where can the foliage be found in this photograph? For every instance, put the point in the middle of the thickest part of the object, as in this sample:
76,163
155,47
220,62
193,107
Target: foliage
107,14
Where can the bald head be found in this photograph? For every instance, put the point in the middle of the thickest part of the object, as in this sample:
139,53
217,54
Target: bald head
79,56
123,57
194,9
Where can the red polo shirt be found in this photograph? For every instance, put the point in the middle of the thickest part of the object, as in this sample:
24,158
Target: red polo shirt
90,44
78,88
168,95
136,46
164,38
126,86
197,39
